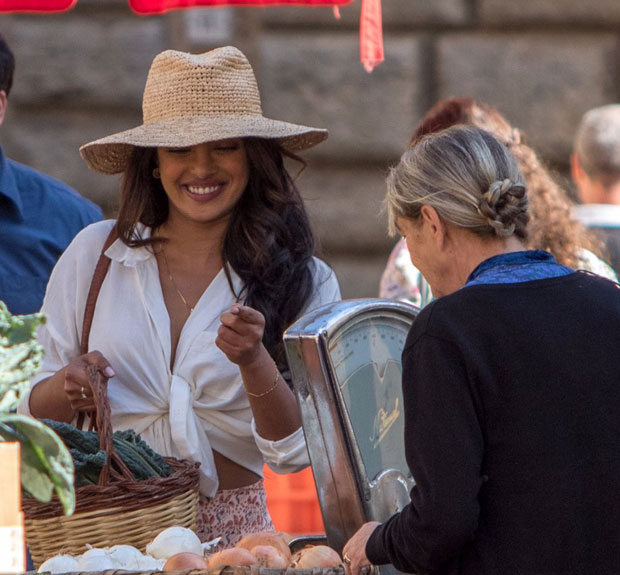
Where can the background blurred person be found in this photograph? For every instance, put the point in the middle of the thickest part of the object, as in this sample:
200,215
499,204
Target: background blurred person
510,382
551,225
39,216
211,258
595,168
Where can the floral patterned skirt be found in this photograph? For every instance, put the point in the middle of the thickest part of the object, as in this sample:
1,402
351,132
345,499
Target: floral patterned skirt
232,513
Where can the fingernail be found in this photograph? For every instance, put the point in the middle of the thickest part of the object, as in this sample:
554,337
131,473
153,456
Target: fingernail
235,309
109,371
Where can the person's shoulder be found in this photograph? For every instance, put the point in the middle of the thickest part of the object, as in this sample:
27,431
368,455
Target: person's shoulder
93,236
324,280
441,316
55,190
320,268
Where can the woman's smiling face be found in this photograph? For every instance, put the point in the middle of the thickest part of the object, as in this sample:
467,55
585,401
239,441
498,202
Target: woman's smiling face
204,182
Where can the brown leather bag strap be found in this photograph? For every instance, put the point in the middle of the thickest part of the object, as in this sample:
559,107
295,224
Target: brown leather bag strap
99,274
95,287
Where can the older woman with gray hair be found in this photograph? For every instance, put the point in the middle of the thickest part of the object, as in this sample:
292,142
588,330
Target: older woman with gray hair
510,382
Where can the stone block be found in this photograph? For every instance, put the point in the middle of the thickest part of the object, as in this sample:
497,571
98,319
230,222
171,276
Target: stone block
358,275
317,80
344,205
50,142
541,82
394,13
606,12
82,61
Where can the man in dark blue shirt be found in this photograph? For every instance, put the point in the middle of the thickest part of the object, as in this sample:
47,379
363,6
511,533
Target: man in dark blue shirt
39,216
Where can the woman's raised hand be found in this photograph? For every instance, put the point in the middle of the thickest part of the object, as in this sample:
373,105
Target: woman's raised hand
76,381
240,335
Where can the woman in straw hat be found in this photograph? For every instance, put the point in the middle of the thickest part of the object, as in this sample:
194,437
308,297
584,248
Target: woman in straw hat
514,446
212,262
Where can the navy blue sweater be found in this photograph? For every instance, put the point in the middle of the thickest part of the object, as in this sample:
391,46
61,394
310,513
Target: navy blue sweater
512,409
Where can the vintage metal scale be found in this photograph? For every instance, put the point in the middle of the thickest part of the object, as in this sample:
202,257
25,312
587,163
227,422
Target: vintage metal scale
346,370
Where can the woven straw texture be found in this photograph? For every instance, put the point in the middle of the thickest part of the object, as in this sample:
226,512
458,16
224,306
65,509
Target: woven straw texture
194,98
119,510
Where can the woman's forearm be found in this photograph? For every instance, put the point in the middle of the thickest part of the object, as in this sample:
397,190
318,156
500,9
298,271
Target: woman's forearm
48,399
275,409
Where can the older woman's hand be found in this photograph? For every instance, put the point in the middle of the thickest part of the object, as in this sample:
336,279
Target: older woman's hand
240,334
354,552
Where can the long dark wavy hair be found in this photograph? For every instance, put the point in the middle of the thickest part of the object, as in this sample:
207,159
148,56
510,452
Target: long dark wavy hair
269,242
551,225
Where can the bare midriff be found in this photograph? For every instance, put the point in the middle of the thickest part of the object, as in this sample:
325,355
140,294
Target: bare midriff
232,475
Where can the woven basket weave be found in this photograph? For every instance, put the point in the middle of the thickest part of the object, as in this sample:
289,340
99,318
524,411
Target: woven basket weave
119,509
232,570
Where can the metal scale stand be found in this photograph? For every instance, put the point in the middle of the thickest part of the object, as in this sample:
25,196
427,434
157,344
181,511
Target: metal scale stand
346,371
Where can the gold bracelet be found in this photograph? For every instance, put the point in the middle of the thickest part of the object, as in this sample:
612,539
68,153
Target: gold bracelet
276,381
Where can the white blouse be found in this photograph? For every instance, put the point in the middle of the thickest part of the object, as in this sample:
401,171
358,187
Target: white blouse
198,406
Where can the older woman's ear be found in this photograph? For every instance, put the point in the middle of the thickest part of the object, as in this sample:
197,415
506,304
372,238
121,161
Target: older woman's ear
436,226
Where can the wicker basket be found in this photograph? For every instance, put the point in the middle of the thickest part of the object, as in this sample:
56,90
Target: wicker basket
119,509
231,570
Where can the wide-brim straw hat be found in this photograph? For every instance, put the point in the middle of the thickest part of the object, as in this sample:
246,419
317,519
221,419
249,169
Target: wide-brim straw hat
194,98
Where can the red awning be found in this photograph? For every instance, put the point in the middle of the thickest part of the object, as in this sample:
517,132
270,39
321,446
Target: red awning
36,5
161,6
371,35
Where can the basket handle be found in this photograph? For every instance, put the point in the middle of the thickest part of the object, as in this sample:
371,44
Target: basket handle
103,425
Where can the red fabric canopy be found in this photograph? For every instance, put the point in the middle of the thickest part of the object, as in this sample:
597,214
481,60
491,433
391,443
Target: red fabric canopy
371,35
36,5
161,6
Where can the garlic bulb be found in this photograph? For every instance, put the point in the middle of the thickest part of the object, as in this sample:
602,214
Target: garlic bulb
172,541
125,556
95,559
148,563
59,564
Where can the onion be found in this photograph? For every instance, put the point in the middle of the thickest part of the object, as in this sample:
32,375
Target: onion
236,556
269,556
185,561
286,536
59,564
316,556
174,540
273,538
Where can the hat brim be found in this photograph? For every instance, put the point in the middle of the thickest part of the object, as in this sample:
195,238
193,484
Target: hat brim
110,155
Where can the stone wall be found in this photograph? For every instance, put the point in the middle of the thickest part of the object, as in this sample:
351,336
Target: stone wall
80,76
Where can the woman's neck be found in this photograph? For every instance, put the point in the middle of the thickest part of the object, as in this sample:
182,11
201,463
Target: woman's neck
470,250
193,241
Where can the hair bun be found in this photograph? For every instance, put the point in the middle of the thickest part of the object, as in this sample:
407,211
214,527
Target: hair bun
496,190
500,204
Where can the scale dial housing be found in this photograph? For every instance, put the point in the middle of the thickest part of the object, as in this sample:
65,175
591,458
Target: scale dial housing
345,361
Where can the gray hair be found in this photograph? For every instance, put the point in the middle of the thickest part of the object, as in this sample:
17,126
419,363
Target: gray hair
597,143
468,176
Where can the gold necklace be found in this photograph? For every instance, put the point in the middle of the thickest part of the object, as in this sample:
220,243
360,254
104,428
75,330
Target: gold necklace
174,284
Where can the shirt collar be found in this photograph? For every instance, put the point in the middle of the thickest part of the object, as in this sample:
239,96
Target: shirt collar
8,185
130,257
511,259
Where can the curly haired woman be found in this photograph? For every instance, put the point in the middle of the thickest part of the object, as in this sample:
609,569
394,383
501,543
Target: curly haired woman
551,227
